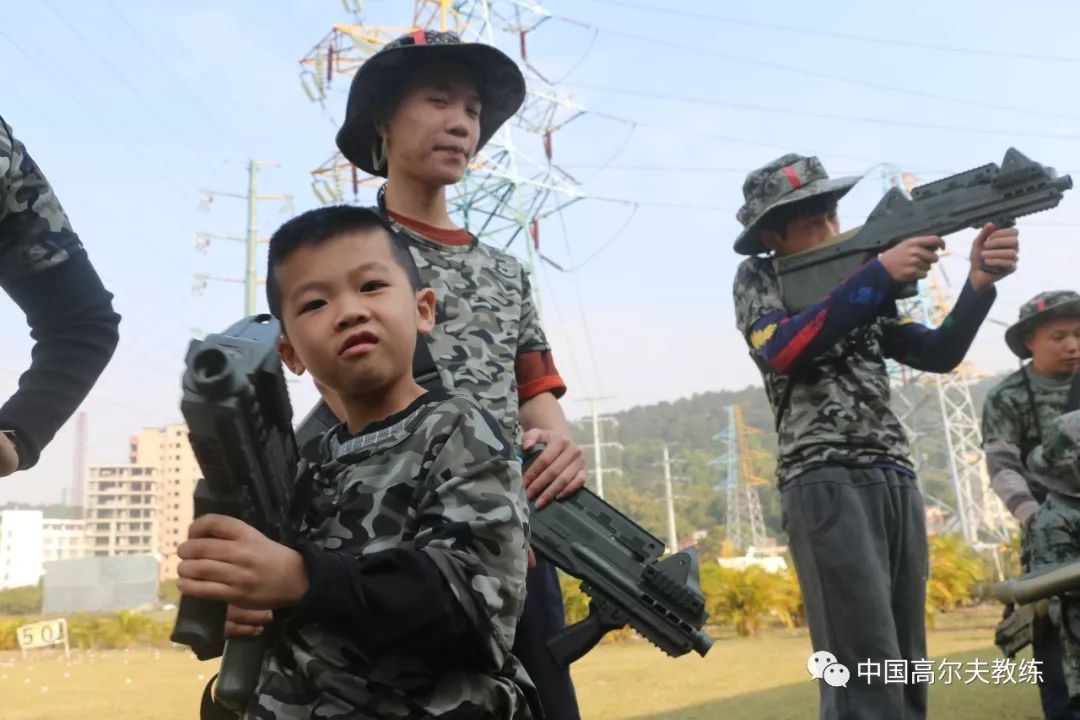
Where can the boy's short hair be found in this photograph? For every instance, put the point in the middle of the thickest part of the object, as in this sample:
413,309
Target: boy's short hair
315,227
777,220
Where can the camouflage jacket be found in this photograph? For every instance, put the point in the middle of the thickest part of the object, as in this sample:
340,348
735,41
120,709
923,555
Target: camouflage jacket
485,317
1011,430
34,231
437,479
838,410
1059,455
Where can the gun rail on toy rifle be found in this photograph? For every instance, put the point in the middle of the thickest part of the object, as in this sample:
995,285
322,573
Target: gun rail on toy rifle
1036,586
622,573
237,410
967,200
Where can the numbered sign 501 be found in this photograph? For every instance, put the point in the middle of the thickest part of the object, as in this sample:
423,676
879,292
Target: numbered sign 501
43,634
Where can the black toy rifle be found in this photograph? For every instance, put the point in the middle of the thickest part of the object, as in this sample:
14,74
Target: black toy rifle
968,200
237,410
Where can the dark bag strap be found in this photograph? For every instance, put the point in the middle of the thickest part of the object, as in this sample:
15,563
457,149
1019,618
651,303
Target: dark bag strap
1024,371
1073,401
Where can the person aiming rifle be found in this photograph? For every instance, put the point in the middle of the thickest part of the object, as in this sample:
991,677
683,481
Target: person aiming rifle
851,503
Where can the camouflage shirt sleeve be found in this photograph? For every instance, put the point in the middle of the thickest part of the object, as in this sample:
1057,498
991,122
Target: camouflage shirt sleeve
1059,456
46,272
1001,435
531,337
34,230
475,528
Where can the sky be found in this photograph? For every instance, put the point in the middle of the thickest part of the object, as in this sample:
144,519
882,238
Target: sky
133,108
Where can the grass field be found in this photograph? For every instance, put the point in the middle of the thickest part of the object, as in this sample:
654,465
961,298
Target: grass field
741,679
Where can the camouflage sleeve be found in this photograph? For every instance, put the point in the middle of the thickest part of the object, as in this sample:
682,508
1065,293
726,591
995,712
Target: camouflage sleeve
1059,455
756,295
474,524
1001,436
531,337
34,231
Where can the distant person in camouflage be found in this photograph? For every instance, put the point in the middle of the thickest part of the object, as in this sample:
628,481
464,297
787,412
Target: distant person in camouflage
851,504
45,270
1020,414
401,597
418,113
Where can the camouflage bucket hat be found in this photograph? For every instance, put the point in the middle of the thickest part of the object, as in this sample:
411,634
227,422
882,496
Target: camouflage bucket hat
501,86
785,180
1044,306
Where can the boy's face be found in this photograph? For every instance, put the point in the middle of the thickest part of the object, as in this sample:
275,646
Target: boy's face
1055,346
435,127
349,313
803,233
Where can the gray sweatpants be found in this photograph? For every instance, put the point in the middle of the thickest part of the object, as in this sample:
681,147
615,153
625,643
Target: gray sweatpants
858,539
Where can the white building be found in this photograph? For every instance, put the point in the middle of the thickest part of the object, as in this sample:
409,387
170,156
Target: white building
20,548
63,539
168,450
123,510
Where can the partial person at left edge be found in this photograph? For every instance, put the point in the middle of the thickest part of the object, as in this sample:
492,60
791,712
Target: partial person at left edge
45,270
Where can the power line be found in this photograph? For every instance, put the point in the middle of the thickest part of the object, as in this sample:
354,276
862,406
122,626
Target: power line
119,77
123,142
608,243
833,35
562,324
581,308
176,78
820,115
708,50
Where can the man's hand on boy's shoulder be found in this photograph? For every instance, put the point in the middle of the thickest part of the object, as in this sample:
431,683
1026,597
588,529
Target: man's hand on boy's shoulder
995,248
558,472
227,559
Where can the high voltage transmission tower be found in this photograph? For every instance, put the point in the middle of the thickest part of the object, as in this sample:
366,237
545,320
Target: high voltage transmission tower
507,191
977,513
745,520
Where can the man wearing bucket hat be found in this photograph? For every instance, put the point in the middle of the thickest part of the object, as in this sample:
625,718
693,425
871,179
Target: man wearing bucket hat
1019,414
851,504
418,112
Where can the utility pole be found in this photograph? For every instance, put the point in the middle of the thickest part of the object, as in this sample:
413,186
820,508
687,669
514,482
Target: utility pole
669,501
78,480
250,239
598,444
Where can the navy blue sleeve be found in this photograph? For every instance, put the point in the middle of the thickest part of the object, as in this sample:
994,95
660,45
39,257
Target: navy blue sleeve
786,343
74,329
941,349
392,601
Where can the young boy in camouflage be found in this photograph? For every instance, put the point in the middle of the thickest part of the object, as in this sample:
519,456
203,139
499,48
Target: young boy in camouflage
1020,413
851,505
401,596
419,111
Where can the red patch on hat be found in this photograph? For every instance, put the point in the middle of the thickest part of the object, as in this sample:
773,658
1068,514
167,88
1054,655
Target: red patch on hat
419,38
1041,305
793,178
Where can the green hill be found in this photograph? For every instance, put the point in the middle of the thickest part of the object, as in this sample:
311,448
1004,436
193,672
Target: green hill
689,426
